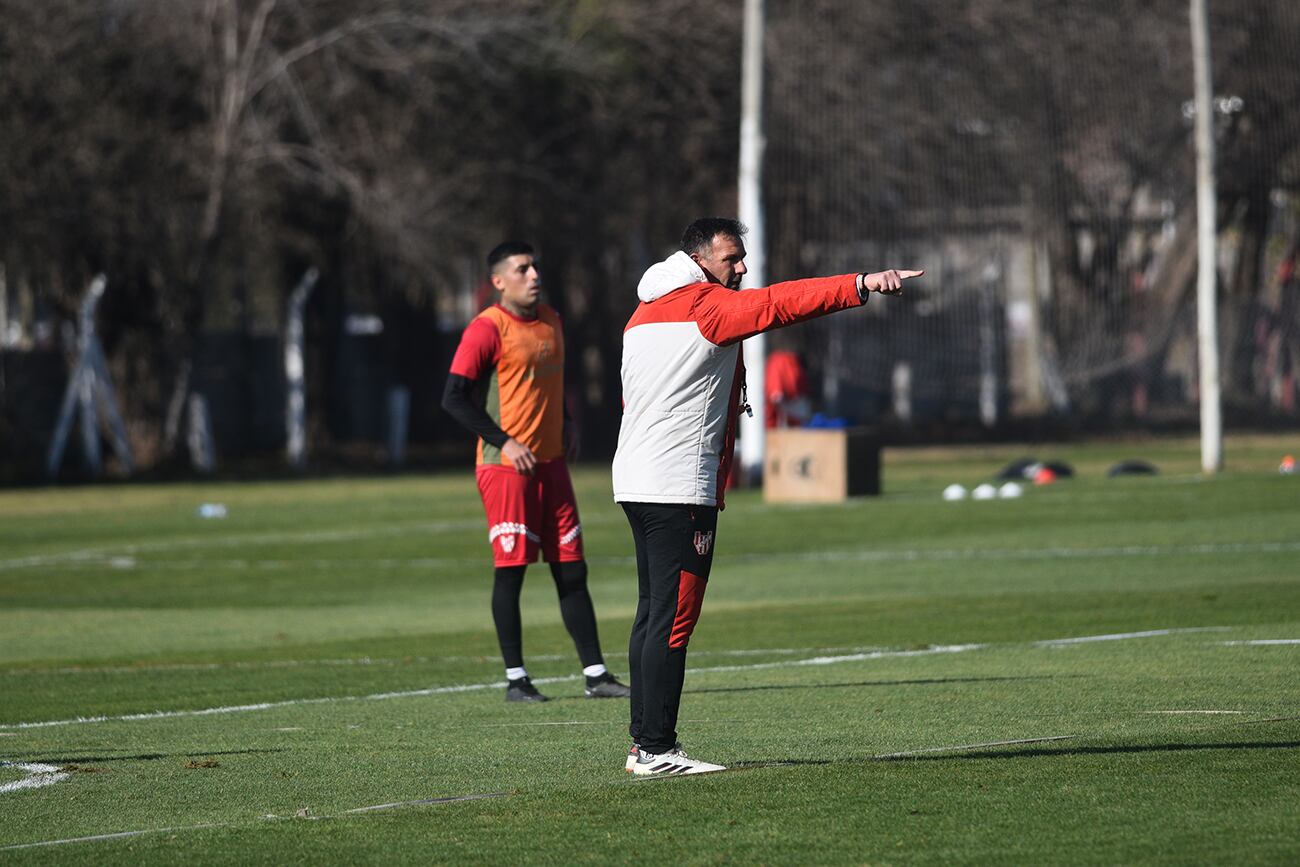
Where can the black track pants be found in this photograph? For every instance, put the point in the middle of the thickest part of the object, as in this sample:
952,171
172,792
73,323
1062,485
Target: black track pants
674,552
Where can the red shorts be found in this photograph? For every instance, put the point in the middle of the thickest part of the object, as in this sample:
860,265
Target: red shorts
527,514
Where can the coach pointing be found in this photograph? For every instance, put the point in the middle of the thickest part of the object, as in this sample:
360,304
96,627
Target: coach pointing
683,391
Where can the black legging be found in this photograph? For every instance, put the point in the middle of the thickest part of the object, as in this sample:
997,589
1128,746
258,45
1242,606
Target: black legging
674,553
575,608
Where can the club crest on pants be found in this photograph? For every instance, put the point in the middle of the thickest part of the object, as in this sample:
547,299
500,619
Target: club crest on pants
703,542
505,533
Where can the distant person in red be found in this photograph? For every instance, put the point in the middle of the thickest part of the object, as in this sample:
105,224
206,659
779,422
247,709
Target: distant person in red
785,387
507,385
785,391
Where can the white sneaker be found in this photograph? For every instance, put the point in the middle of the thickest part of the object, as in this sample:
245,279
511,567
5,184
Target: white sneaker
635,750
675,762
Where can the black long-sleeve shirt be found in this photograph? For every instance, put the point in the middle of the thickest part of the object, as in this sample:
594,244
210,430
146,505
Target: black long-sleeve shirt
462,402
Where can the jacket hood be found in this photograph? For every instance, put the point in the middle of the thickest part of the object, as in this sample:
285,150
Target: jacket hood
676,271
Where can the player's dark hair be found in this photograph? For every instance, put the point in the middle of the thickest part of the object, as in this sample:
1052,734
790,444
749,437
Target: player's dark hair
505,250
698,237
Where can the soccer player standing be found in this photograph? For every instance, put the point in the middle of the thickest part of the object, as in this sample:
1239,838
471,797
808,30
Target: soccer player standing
507,386
683,391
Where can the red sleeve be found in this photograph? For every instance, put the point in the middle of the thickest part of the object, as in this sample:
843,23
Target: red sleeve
725,316
479,349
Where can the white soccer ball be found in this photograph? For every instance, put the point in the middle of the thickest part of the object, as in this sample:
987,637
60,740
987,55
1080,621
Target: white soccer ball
954,492
984,492
1010,491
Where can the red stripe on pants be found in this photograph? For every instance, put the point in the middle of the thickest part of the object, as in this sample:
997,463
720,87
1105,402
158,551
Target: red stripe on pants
690,596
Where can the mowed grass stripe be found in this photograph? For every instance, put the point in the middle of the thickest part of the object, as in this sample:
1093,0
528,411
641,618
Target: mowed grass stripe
822,659
833,774
126,562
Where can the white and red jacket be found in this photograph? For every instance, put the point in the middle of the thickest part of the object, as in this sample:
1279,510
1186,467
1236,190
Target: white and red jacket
683,373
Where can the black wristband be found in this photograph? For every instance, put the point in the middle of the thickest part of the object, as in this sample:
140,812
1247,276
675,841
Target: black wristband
863,291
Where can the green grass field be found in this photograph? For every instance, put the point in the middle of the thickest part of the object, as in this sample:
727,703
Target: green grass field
240,690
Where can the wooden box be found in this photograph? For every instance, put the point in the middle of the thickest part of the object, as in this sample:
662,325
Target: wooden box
820,465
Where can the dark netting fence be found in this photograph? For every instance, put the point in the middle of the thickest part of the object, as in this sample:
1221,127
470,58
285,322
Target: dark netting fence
1036,158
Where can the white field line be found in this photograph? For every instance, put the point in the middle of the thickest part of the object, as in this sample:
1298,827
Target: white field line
118,557
848,657
1124,636
472,687
960,747
1261,642
269,705
209,564
360,661
108,552
424,802
1180,712
212,564
101,837
38,776
363,661
1048,553
556,723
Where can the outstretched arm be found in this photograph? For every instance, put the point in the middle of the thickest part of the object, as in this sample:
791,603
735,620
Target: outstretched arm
726,316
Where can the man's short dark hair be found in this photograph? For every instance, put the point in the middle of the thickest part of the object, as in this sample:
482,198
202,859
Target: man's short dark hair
699,235
505,250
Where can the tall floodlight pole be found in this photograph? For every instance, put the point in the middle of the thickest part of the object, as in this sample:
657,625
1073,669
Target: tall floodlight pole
1207,326
752,434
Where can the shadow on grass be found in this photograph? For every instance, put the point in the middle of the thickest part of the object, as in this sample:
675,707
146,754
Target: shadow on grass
854,684
1046,752
147,757
957,754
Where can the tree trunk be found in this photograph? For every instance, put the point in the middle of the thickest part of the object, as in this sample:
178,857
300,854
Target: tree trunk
1239,305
